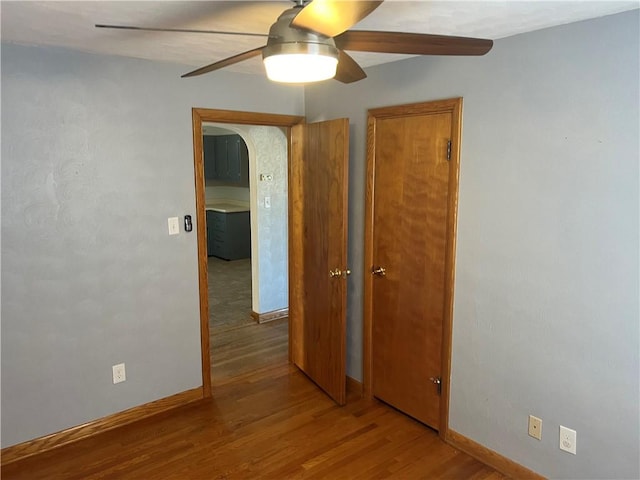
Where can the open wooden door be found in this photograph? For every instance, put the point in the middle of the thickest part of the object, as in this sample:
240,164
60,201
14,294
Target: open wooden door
318,186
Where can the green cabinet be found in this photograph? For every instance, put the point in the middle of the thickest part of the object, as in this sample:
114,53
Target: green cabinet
228,235
208,147
220,158
226,160
236,154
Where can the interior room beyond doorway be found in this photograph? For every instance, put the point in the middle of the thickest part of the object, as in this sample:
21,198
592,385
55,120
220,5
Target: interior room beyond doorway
246,217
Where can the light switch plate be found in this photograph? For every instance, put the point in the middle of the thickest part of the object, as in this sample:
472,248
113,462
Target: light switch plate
174,225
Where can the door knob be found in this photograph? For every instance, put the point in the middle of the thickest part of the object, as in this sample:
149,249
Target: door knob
379,271
339,273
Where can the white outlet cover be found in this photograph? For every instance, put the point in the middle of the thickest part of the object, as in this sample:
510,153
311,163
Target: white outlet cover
568,439
119,373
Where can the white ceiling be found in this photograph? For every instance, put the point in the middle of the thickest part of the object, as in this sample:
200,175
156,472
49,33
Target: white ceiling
71,24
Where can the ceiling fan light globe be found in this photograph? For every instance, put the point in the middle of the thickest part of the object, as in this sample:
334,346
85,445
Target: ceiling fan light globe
300,67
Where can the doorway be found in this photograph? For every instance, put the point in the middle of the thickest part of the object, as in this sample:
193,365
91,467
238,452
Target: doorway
228,205
246,208
231,119
410,231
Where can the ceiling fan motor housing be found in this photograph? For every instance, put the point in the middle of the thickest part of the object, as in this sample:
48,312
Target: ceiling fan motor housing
285,39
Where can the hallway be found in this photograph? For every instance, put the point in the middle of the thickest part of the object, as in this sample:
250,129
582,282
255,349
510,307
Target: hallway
239,345
229,293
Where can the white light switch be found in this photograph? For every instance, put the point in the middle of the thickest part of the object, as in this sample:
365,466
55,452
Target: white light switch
174,225
267,202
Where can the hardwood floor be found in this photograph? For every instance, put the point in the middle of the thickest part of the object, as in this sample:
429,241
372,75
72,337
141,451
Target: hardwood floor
270,422
267,420
277,425
247,348
239,345
229,292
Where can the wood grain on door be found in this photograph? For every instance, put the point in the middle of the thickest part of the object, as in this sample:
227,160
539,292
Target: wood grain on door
410,230
318,185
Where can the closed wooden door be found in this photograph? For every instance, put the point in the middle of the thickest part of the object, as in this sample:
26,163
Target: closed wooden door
318,185
410,255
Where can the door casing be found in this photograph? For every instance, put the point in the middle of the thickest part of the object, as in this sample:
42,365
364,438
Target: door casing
454,106
200,115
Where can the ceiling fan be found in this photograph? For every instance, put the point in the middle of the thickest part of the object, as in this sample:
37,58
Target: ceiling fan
307,42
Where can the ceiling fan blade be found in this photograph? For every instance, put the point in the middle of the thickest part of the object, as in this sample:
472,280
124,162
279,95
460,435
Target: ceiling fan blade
332,17
411,43
225,63
179,30
348,70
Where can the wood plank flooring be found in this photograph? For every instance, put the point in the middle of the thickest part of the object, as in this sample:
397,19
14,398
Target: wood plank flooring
247,348
229,292
274,425
239,345
269,422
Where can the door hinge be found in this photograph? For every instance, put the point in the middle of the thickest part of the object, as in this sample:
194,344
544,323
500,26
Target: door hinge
438,383
449,150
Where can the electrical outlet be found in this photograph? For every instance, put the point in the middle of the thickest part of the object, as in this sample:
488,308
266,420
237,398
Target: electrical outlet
119,374
174,225
266,177
535,427
568,439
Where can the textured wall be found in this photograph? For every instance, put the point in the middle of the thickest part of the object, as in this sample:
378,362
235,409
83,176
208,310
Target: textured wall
270,155
96,154
546,317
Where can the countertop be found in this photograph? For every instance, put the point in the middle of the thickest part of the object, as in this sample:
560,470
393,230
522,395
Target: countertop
225,206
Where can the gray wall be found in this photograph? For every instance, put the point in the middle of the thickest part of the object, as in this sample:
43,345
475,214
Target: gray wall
96,154
546,317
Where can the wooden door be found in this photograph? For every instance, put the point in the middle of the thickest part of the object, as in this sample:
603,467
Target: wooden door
413,222
318,184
